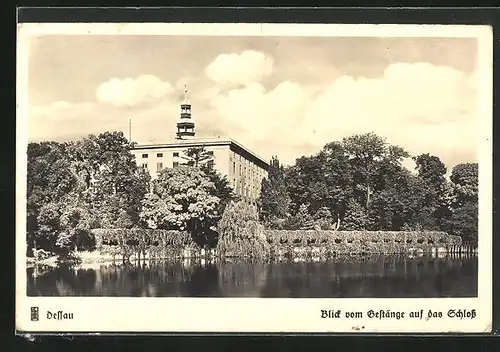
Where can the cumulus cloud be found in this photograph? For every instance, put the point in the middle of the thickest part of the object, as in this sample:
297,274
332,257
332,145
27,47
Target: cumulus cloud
133,91
61,121
262,113
240,69
421,107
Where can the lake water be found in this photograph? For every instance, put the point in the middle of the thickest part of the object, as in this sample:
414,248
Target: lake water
375,277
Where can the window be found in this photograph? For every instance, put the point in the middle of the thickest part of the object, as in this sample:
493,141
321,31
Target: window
159,167
176,154
144,166
234,167
144,156
210,163
211,153
159,155
176,163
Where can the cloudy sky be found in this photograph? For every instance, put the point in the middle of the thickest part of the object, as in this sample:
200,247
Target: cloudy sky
276,95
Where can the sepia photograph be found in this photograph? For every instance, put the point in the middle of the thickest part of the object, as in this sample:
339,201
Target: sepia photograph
253,166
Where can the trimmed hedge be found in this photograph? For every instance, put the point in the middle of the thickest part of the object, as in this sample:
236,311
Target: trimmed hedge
171,244
360,241
154,243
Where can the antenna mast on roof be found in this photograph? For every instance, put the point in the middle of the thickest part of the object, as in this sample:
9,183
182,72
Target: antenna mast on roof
130,129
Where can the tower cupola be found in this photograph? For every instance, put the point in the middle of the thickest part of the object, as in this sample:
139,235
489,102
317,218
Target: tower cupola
185,125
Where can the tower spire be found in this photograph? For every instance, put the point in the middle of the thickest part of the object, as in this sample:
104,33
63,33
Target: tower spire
185,125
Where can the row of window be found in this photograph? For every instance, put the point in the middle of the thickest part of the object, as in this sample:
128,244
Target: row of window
159,166
175,154
253,170
251,174
247,187
246,175
158,155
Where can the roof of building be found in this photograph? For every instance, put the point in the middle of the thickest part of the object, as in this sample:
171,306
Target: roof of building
210,141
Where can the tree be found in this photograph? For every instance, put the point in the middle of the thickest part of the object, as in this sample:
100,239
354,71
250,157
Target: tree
432,172
338,178
113,185
465,182
47,227
355,217
306,184
364,152
400,203
431,169
463,222
75,186
224,192
74,221
202,159
222,188
182,198
274,200
323,218
357,171
324,181
463,200
240,232
368,154
300,221
49,179
197,157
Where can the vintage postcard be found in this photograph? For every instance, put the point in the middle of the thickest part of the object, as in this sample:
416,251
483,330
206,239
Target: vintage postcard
273,178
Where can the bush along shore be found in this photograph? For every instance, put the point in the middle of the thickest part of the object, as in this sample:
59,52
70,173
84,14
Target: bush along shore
241,235
245,238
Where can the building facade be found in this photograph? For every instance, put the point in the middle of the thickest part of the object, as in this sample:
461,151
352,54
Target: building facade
244,169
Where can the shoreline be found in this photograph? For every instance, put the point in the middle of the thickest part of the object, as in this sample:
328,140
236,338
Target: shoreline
94,258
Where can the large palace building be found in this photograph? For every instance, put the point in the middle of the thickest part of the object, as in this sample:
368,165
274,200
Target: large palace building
243,168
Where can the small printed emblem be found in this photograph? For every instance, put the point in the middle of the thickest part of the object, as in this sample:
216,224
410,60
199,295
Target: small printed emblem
34,313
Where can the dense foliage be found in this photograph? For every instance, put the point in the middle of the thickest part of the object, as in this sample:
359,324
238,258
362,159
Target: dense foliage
182,198
94,183
197,157
146,242
274,200
357,184
463,217
361,182
190,197
336,242
241,234
76,186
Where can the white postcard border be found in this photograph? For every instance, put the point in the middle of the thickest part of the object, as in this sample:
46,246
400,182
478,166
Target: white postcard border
120,314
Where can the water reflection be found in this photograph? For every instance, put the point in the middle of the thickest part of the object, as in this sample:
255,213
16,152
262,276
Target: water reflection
384,276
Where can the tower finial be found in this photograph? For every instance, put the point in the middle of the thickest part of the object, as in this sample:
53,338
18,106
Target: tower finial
185,125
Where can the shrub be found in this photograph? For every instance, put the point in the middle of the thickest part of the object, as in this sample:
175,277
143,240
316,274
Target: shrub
359,241
41,254
154,242
323,219
240,233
